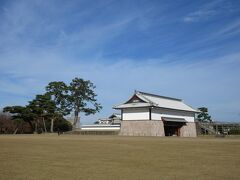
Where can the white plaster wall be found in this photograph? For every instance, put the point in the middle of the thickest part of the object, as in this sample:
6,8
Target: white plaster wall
158,113
135,114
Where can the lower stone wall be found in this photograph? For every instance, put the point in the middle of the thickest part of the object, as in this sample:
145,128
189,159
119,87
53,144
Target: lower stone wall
142,128
153,128
188,130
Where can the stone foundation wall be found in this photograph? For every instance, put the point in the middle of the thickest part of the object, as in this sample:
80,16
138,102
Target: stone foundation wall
142,128
188,130
153,128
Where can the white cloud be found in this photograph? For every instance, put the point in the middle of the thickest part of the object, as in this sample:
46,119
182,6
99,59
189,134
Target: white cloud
206,83
197,15
27,64
230,29
209,10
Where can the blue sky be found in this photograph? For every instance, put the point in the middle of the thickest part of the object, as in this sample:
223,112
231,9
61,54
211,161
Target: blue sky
183,49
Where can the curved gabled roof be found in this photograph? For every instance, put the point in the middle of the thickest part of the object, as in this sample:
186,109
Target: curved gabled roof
152,100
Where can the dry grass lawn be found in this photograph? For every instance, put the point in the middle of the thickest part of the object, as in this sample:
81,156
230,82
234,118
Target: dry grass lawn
113,157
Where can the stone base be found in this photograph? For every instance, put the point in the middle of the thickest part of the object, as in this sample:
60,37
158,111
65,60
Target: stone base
188,130
153,128
142,128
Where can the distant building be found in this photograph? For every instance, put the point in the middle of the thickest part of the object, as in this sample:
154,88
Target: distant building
106,126
114,119
147,114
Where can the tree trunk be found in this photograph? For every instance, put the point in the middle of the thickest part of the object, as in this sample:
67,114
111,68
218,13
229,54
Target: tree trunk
15,132
31,125
52,123
75,120
36,127
21,128
44,125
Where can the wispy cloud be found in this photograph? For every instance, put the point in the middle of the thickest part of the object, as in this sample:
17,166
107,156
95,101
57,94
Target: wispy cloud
120,47
230,29
206,83
209,10
198,15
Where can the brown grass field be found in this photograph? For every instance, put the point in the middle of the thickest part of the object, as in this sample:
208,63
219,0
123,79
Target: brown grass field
114,157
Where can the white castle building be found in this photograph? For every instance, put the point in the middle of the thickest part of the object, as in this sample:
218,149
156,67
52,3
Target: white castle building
147,114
